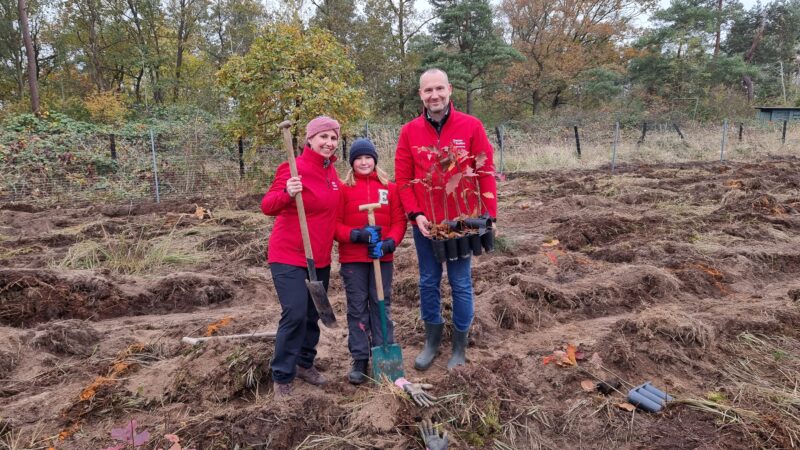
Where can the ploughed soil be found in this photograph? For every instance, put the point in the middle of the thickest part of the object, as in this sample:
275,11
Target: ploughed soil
682,275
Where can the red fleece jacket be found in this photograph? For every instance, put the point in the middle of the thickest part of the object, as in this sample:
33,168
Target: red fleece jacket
368,189
321,190
460,133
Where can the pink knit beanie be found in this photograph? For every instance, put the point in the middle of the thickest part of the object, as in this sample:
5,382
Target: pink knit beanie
320,124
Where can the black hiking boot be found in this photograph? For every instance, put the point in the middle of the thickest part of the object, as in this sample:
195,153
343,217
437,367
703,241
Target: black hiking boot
460,341
358,373
433,337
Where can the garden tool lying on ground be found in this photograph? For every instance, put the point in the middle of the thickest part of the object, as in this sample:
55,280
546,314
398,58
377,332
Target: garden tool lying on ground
264,335
387,359
315,287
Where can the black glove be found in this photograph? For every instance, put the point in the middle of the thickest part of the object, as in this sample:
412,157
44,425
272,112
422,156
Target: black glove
366,235
430,435
376,251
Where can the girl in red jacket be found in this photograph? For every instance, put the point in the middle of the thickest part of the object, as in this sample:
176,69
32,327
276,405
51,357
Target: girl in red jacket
298,331
359,244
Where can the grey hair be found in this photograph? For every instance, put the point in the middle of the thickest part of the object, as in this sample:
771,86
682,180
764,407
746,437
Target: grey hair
433,70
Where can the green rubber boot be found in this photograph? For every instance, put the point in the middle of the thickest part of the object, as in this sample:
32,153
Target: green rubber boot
460,341
433,337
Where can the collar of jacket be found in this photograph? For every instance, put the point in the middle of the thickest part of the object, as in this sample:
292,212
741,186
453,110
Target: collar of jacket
371,176
445,119
315,158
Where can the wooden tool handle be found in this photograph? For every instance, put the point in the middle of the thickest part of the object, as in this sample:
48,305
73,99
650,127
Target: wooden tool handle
375,262
298,198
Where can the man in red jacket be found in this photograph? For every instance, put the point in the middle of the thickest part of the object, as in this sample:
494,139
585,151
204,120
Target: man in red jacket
421,192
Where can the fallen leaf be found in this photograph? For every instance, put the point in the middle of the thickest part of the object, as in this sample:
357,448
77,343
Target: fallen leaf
626,406
588,385
596,360
215,327
129,435
550,243
571,354
553,257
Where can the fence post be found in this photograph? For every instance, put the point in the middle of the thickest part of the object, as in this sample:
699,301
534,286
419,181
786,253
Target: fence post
155,167
724,140
675,125
499,130
241,158
366,130
783,134
614,148
344,148
741,128
644,133
577,141
113,143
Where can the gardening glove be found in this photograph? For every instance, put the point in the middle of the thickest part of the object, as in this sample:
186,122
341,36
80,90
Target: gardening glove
416,391
376,251
366,235
430,436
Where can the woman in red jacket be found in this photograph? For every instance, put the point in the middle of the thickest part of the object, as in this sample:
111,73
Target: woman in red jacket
359,244
298,331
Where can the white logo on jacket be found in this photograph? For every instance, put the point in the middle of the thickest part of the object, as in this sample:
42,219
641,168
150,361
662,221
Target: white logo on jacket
383,196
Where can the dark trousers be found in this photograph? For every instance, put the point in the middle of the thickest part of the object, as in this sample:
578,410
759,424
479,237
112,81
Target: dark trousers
363,314
298,331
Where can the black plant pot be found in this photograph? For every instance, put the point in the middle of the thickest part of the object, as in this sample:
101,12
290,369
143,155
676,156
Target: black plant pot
439,251
451,247
478,222
464,249
487,240
453,225
475,243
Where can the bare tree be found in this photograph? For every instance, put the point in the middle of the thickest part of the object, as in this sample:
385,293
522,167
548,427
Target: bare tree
33,82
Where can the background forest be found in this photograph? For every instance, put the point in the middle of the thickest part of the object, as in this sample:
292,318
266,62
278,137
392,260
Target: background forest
244,64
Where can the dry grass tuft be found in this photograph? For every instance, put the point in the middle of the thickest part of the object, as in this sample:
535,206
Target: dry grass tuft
674,324
129,255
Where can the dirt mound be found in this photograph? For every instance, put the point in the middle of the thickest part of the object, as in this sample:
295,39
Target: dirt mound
219,373
32,296
69,337
184,292
8,362
579,232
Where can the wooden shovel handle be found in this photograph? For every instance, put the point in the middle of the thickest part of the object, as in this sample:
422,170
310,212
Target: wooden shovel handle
371,207
298,198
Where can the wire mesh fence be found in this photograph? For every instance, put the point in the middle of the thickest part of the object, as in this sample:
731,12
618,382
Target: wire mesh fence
194,160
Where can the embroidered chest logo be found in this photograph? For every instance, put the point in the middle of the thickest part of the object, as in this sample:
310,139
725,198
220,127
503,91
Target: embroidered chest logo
383,196
459,145
333,185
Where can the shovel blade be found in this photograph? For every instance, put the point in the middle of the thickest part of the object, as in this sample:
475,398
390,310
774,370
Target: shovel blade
320,297
387,360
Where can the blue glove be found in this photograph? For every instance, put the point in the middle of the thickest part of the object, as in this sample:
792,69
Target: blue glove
366,235
378,250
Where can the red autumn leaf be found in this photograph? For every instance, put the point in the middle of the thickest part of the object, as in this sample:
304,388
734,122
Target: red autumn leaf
480,160
452,183
571,354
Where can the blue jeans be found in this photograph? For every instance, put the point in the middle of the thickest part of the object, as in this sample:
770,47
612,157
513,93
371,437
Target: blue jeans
430,278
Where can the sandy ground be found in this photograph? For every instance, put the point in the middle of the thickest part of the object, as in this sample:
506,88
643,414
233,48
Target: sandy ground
683,275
